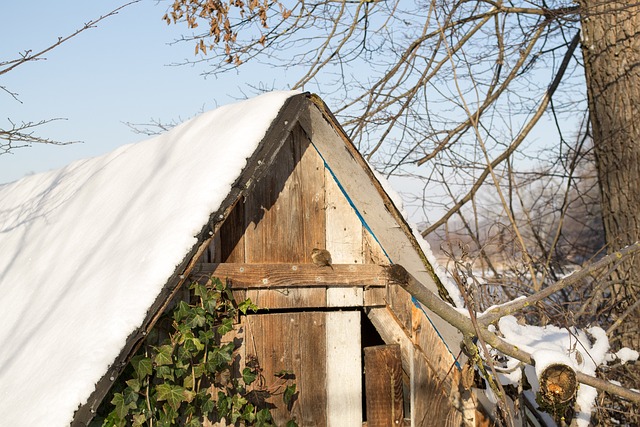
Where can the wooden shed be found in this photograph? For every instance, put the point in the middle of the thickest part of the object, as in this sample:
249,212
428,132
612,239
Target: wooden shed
361,349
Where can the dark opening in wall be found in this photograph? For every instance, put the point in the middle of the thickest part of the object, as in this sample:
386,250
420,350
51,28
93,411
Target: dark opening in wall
369,338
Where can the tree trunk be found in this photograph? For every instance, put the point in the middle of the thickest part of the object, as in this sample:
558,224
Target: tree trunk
611,51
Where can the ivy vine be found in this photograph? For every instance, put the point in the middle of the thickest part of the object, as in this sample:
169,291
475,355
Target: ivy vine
185,374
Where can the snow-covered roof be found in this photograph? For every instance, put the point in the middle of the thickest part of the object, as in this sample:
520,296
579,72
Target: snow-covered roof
75,283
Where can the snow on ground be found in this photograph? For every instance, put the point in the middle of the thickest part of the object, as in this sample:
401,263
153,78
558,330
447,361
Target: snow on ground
584,351
627,355
84,251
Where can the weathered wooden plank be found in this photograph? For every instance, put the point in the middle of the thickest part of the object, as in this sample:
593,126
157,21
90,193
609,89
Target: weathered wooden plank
372,255
343,240
340,296
232,235
273,216
375,296
383,385
392,333
285,214
295,275
372,252
310,171
344,228
290,297
310,378
281,342
401,304
424,338
431,405
344,369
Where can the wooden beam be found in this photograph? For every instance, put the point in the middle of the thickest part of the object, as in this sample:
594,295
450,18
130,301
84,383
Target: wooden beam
269,276
383,385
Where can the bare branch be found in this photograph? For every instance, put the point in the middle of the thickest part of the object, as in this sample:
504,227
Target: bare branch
402,277
494,314
29,56
23,135
515,143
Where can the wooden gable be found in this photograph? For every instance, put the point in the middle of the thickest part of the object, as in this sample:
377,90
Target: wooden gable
314,315
306,186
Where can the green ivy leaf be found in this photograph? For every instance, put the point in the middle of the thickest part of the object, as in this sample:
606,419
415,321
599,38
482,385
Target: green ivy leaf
164,355
289,394
181,311
139,420
165,372
248,414
206,337
194,422
291,423
248,376
194,345
134,384
199,289
167,416
220,357
173,394
198,319
263,418
188,395
130,396
247,305
112,420
217,284
121,406
142,365
206,404
211,303
226,326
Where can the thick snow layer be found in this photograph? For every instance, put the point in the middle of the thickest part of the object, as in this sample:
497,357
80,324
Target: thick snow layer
84,251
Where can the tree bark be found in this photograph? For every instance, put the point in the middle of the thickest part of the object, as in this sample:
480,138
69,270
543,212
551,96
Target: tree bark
611,52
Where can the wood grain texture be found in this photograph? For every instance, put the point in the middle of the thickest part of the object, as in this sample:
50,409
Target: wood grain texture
280,342
383,385
295,275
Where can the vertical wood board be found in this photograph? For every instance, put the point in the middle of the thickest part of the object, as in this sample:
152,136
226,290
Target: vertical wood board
383,384
285,341
284,216
232,235
343,240
344,369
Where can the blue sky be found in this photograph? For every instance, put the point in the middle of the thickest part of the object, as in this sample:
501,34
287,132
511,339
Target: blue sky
118,72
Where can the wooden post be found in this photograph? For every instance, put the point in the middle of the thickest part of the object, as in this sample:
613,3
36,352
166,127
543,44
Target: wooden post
383,385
